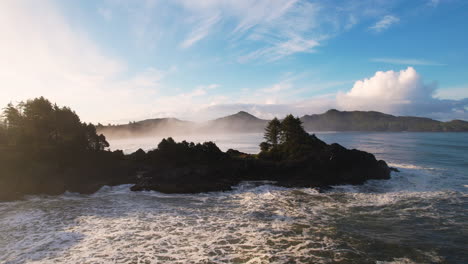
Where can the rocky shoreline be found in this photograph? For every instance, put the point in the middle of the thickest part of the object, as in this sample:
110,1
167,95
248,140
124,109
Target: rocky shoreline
46,149
328,166
194,168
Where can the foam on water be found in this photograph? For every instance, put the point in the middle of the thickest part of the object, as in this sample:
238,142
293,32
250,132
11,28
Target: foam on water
255,223
418,216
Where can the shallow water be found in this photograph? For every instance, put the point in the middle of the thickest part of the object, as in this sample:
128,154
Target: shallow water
418,216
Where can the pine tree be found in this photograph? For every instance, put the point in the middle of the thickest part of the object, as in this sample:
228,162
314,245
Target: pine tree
291,130
272,132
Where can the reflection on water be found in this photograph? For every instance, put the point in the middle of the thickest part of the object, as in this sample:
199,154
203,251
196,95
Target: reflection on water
419,216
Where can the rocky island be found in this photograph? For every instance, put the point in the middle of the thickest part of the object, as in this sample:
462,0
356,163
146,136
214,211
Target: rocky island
46,149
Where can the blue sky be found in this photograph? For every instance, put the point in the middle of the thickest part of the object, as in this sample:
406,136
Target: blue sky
121,60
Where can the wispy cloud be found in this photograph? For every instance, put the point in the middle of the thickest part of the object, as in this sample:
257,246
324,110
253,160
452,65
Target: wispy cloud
402,61
260,30
384,23
281,49
263,29
201,30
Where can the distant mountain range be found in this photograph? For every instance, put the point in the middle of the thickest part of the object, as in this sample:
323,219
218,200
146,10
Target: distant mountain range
243,122
334,120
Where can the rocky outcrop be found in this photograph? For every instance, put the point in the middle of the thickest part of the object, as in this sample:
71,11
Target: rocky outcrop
323,166
186,168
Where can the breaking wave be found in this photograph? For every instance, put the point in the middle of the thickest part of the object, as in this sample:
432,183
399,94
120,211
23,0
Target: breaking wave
420,215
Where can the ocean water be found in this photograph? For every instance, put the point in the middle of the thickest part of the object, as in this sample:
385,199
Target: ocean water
420,215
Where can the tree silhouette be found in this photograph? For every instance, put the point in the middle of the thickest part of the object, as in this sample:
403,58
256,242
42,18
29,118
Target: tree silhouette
272,132
3,132
292,130
39,124
292,141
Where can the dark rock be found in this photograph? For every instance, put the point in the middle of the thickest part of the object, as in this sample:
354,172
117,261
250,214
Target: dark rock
324,165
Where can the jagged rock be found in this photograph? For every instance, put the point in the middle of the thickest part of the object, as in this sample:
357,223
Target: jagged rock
192,171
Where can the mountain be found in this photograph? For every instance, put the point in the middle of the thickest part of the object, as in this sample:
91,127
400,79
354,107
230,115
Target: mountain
334,120
238,123
148,127
243,122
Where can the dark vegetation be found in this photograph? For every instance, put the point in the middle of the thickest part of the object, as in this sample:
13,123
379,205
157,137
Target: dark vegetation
46,149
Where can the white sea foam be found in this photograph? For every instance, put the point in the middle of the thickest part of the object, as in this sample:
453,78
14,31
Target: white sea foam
388,221
253,224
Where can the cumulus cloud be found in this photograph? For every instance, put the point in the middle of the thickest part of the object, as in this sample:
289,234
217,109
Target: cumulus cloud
403,93
394,92
384,23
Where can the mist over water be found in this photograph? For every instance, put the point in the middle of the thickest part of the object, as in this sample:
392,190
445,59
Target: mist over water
420,215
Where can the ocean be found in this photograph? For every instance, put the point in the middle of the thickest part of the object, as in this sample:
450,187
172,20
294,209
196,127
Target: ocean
420,215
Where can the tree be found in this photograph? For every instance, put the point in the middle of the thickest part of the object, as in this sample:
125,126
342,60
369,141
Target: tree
38,123
3,132
292,130
95,142
272,132
264,146
13,123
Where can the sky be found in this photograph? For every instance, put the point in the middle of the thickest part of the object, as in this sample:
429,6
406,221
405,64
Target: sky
115,61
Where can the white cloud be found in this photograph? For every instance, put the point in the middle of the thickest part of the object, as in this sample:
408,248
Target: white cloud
401,93
384,23
42,55
401,61
259,30
395,92
453,93
282,27
385,91
201,31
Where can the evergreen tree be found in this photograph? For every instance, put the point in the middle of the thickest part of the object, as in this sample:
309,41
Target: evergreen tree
292,130
3,132
272,132
38,123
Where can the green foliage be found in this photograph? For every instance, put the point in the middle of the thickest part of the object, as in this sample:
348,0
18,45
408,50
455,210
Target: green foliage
272,133
38,124
183,153
292,130
294,142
